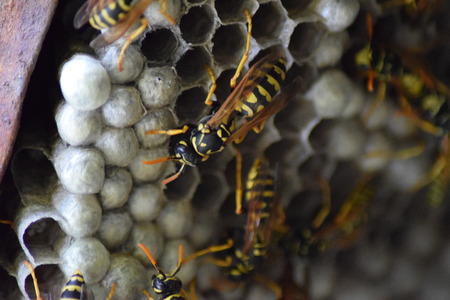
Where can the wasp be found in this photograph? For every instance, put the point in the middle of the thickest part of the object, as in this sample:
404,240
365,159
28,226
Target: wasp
246,247
248,107
168,286
332,233
116,16
422,97
75,288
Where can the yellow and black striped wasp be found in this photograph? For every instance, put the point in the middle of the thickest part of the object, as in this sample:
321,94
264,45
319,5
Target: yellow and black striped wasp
248,107
246,247
331,233
421,96
168,286
116,16
75,288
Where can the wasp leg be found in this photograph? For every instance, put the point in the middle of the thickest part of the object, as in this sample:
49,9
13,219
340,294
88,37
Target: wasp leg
170,131
259,128
220,262
163,11
10,223
113,290
406,153
191,290
436,191
381,93
147,295
440,167
393,3
408,111
239,190
210,71
360,196
133,36
212,249
247,49
174,176
325,210
33,274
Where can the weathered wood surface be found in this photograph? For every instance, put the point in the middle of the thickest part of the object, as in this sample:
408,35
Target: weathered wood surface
23,26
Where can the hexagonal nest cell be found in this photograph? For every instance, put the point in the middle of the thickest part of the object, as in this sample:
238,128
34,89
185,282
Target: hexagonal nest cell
350,199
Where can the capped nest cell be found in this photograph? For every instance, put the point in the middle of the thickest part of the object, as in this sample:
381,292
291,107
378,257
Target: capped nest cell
360,182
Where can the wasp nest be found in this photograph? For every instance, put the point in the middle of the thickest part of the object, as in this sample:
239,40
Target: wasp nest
87,199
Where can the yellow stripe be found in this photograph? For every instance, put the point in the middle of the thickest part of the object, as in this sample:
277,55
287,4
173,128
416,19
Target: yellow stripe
251,98
98,23
264,93
72,288
123,6
247,109
268,194
273,82
279,71
105,15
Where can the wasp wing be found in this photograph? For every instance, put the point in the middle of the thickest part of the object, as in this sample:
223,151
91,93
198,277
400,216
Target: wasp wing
83,13
277,104
255,205
260,198
115,32
246,86
277,217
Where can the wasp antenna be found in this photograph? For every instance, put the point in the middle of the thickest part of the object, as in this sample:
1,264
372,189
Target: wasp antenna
151,258
211,249
180,259
369,24
147,295
10,223
113,290
210,71
174,176
247,49
33,274
156,161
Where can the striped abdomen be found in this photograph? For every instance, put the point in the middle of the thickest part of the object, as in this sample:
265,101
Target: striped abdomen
264,92
73,288
261,184
110,14
243,264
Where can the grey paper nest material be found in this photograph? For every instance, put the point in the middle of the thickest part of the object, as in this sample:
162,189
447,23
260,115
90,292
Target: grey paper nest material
87,199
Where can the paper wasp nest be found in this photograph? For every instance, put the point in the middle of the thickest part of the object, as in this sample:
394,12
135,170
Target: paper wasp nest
87,200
